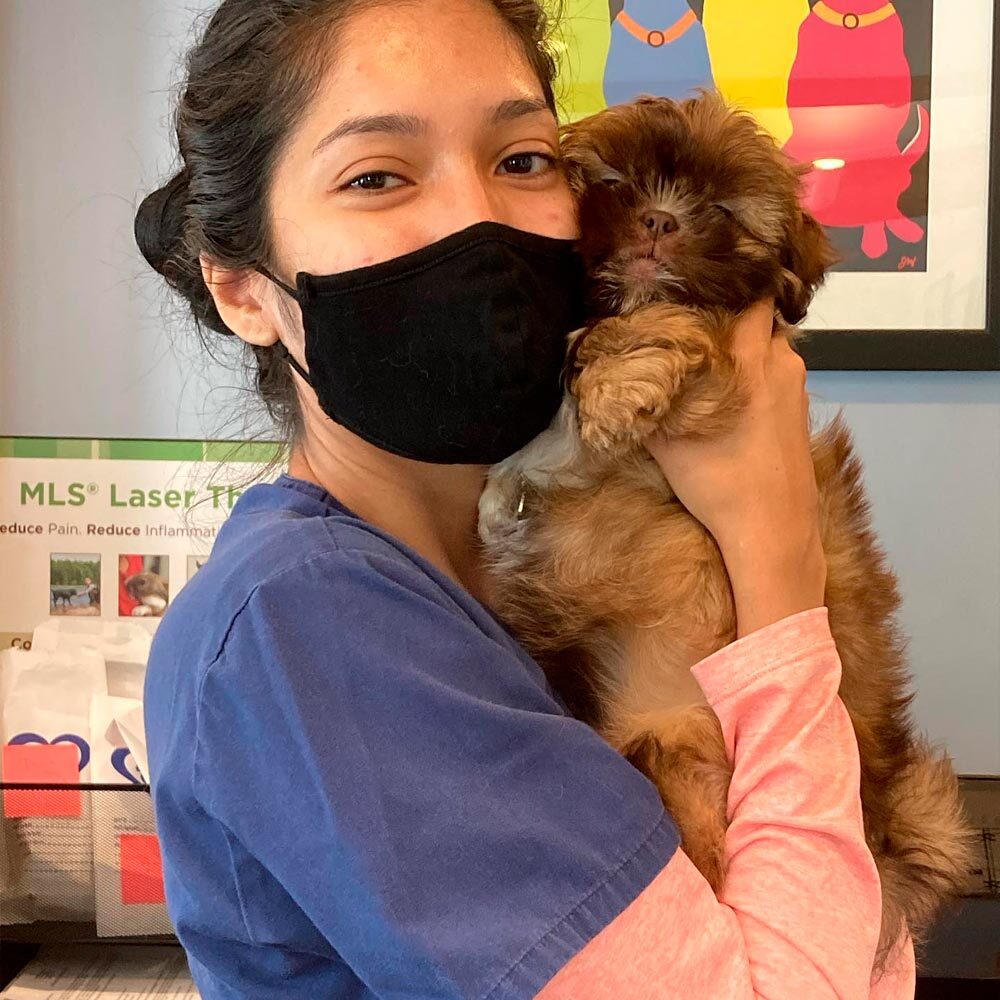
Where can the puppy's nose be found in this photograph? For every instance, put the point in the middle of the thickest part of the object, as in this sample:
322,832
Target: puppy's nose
659,223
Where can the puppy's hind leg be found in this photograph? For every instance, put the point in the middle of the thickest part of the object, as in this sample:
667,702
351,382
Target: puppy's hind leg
662,366
684,755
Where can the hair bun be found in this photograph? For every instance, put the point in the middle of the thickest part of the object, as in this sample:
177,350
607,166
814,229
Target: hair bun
159,234
159,223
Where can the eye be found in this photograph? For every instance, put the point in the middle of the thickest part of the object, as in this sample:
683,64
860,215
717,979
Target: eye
527,163
375,180
611,178
727,212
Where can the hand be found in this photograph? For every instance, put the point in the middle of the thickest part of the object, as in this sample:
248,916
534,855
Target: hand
754,487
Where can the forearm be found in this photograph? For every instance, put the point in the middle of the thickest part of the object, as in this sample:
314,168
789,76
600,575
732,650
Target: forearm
775,571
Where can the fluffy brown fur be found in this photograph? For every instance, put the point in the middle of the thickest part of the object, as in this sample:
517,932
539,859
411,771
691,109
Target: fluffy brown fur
689,214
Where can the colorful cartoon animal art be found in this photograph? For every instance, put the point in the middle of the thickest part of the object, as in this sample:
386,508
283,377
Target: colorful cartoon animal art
752,46
581,40
657,47
849,100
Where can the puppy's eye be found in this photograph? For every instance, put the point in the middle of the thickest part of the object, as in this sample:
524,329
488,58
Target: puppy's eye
611,178
727,212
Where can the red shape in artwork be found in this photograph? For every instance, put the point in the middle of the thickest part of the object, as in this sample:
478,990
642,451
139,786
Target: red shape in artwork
141,867
41,763
848,99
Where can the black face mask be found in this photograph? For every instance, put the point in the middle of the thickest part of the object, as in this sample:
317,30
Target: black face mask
450,354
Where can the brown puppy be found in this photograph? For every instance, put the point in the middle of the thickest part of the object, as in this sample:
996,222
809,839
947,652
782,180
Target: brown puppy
688,215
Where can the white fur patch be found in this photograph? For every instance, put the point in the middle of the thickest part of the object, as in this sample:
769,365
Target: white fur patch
548,457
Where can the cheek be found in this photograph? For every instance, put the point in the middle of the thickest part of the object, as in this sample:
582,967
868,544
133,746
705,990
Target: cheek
344,241
555,214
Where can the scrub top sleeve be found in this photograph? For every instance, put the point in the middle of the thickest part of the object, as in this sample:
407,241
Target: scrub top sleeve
414,787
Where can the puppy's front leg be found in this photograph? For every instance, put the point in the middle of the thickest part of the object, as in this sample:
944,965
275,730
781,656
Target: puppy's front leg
662,366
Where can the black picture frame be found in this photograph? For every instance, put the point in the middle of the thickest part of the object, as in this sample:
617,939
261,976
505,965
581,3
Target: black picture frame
929,350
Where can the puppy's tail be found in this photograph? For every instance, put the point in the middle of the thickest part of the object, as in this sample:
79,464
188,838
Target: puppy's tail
917,146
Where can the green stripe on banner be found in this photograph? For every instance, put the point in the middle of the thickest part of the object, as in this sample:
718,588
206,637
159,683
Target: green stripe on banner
35,447
73,448
174,451
139,450
241,451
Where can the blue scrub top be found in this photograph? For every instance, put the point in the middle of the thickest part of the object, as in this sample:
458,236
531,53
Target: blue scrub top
363,786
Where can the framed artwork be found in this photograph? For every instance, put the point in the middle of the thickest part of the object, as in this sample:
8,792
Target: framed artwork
896,107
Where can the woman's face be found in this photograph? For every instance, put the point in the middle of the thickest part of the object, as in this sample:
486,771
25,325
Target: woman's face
429,120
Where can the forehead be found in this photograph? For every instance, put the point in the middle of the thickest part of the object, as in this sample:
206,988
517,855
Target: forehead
640,140
430,59
651,142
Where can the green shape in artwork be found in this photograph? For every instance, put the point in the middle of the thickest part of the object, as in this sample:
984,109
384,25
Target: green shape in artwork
580,41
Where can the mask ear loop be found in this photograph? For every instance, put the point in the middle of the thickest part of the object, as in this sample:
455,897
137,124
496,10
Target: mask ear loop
288,288
280,348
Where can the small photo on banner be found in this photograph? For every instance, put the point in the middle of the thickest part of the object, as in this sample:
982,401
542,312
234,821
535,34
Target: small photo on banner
143,585
74,584
194,563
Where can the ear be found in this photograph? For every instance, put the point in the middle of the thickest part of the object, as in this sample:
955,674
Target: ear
805,260
238,299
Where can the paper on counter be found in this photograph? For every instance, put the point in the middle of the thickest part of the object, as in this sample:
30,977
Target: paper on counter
104,972
128,873
124,646
132,726
45,699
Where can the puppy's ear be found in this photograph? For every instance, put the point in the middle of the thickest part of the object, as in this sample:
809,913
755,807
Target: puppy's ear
808,253
574,154
579,143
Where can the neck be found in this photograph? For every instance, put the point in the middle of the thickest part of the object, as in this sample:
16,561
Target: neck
431,508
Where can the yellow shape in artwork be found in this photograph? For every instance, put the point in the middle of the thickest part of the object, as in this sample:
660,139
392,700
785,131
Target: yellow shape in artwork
752,46
580,42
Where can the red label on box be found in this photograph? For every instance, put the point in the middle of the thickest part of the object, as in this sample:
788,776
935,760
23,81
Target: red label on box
142,868
41,763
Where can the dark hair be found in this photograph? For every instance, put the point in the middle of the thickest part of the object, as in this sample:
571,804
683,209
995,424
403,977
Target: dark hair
248,78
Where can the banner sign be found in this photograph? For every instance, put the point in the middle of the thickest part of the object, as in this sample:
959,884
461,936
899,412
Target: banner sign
110,529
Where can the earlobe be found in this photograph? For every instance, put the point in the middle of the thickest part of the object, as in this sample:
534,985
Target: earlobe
238,295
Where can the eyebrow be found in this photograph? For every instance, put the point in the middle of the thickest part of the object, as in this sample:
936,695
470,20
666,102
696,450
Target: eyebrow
410,125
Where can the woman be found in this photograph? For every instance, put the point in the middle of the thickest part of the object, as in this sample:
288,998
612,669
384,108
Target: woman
363,786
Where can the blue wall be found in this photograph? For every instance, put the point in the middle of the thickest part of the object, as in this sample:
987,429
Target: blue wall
930,442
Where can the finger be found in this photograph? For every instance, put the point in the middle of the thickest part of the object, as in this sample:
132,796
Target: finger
753,330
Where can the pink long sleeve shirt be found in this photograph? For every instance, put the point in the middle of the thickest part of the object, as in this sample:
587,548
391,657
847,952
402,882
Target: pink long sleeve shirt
798,916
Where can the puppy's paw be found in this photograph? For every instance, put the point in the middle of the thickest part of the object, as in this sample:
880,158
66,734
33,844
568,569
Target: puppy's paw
622,399
662,366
